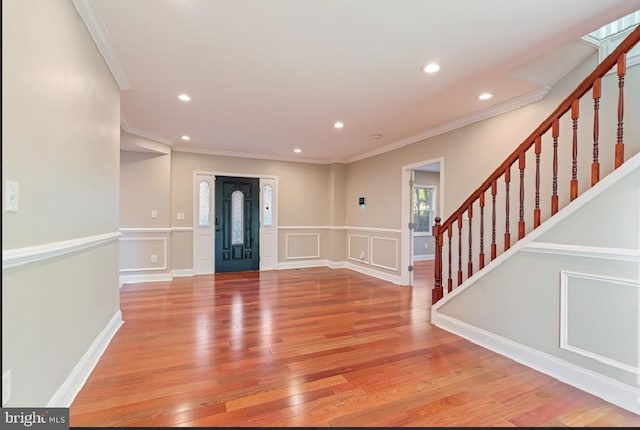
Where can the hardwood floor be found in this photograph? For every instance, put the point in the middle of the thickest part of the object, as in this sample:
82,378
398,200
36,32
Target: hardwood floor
311,347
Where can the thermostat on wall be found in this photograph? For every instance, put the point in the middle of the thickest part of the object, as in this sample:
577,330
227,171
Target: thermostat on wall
361,201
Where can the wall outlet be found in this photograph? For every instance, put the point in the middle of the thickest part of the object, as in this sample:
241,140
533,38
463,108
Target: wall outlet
361,255
154,258
154,213
426,245
6,387
180,215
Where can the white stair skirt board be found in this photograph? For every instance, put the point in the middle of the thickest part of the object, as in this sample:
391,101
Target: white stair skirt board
610,390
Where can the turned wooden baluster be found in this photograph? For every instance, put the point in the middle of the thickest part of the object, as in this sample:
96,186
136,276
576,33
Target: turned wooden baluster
450,280
595,166
521,163
470,263
481,262
554,196
507,235
494,190
436,293
536,211
459,249
575,113
622,70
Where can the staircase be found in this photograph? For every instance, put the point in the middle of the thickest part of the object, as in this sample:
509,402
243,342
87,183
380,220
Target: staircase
560,160
561,292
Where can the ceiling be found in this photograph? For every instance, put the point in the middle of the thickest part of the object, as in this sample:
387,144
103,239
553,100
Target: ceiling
268,76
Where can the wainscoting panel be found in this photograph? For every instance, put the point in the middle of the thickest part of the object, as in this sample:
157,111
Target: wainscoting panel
592,310
384,252
302,245
358,248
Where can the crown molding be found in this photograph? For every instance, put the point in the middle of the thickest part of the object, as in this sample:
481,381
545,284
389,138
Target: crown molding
207,151
141,133
89,14
490,112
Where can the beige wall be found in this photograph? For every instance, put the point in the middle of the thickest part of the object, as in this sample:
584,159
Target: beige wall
60,133
145,185
472,153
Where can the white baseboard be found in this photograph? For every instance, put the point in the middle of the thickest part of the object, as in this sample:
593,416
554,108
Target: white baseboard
149,277
375,273
610,390
64,396
424,257
337,264
340,265
179,273
302,264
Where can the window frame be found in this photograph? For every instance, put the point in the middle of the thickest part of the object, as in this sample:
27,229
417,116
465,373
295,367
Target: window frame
433,212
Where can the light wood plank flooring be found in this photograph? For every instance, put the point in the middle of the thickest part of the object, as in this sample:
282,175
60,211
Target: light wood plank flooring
312,347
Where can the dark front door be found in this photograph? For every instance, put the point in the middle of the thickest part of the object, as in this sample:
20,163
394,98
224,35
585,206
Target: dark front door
237,224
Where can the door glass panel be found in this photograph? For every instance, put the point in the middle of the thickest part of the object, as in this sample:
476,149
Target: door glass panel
204,207
237,218
267,205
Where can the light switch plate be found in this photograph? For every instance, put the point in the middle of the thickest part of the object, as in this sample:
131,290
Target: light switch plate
180,215
12,194
154,213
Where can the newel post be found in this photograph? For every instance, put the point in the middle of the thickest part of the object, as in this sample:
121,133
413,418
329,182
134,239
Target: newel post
437,293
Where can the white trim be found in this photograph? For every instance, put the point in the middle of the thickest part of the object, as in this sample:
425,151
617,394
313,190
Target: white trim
605,183
181,273
145,230
147,277
299,257
619,254
164,257
424,257
74,382
142,133
31,254
208,151
395,269
349,257
406,250
215,174
564,318
335,227
303,264
622,395
130,230
490,112
337,264
87,11
181,229
394,279
310,227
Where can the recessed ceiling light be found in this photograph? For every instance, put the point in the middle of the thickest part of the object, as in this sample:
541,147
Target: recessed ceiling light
338,124
431,68
297,150
376,136
184,97
185,137
485,96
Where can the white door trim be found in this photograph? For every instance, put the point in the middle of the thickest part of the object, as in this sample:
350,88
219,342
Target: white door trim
214,174
405,236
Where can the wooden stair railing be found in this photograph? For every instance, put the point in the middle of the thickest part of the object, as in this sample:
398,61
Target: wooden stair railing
518,161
